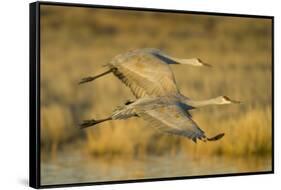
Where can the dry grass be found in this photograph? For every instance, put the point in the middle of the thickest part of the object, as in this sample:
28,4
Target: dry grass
76,42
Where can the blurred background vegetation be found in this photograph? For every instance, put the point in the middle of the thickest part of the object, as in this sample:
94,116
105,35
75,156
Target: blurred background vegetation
76,42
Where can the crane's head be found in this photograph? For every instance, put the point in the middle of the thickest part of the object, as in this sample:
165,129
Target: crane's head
226,100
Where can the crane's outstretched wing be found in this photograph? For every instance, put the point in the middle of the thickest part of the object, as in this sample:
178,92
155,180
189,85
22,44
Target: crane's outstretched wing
173,119
144,73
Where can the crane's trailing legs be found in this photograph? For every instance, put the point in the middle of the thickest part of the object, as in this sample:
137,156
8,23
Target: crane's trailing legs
91,122
89,79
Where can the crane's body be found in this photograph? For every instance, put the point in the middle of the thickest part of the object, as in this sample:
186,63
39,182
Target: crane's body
168,113
146,71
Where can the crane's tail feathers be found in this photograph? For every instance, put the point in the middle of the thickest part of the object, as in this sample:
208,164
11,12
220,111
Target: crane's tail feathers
91,78
216,137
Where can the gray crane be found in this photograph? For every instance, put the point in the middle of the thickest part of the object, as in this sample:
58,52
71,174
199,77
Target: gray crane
146,71
168,113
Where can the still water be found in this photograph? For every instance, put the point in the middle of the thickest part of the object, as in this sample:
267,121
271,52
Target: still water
75,167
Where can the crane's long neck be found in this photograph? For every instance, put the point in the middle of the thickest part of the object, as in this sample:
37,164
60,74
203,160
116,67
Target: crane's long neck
202,103
174,60
191,61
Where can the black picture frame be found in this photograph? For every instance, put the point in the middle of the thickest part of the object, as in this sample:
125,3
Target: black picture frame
34,94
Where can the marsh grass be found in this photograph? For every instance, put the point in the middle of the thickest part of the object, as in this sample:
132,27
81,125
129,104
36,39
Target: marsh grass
76,42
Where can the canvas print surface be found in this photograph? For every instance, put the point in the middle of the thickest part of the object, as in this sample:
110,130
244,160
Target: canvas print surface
129,94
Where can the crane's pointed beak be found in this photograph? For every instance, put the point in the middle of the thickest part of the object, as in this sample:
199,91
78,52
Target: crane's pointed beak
235,102
231,101
207,65
203,63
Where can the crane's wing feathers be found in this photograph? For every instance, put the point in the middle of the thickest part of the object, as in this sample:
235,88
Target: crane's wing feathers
173,119
144,74
137,90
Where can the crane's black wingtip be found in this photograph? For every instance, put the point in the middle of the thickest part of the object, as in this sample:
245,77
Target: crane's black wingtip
216,137
194,139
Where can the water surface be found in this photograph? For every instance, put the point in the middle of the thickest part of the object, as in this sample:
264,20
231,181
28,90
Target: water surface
75,167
